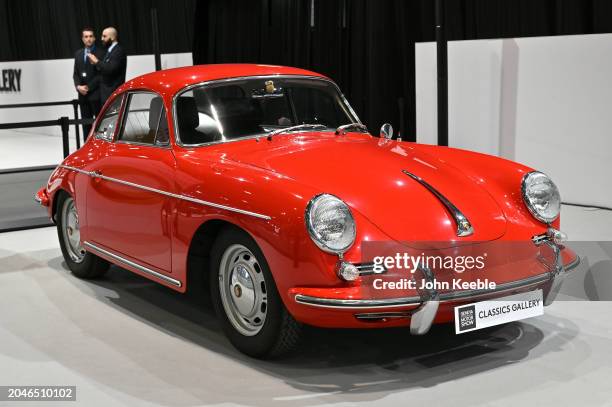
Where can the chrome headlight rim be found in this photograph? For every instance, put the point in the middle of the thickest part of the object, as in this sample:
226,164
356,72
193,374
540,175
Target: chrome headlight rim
534,212
313,234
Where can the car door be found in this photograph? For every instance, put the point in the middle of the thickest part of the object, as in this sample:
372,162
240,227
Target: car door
128,201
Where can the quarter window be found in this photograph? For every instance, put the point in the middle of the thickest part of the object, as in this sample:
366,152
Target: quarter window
145,120
108,124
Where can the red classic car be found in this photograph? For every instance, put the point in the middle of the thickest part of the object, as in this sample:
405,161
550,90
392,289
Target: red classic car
296,213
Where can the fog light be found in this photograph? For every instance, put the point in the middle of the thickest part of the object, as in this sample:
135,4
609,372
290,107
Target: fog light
348,272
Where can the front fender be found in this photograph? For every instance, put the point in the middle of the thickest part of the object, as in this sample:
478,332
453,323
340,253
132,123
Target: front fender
501,178
293,257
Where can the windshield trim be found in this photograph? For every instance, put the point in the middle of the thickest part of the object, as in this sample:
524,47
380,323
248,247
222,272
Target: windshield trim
177,138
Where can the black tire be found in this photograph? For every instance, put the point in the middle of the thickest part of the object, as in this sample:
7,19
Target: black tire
82,264
280,332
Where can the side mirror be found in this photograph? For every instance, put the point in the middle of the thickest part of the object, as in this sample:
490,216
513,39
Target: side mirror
386,131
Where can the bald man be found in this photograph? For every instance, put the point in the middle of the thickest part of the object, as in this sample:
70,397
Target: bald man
112,66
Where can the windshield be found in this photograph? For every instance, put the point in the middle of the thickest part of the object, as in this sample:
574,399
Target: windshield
251,107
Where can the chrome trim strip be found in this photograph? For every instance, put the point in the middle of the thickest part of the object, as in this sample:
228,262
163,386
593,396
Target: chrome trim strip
367,269
177,138
464,227
357,304
137,144
80,171
512,285
130,263
95,174
417,300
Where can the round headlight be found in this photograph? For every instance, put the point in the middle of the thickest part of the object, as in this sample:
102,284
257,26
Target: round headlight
541,196
330,223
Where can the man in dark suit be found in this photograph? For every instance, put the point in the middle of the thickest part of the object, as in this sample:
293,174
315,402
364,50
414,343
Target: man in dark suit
112,66
86,78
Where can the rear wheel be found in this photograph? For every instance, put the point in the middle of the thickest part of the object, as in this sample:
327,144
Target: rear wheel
82,263
246,299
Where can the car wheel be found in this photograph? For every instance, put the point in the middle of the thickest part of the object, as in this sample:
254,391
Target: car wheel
82,264
246,300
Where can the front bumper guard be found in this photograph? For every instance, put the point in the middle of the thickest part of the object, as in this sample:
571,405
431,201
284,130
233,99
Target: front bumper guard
423,317
426,304
556,272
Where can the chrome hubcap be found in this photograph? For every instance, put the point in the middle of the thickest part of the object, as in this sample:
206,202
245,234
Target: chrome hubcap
71,231
243,290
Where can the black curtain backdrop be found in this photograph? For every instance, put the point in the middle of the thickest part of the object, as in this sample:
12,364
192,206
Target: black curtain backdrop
367,46
40,29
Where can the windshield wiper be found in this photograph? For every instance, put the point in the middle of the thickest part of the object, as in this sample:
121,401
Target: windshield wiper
356,126
296,127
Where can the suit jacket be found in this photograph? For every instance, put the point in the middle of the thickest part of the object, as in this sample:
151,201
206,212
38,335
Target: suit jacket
112,71
86,74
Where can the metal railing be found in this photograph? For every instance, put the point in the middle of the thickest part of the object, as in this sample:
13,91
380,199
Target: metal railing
64,123
75,109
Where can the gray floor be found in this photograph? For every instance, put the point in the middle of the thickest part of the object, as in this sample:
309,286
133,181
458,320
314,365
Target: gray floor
129,342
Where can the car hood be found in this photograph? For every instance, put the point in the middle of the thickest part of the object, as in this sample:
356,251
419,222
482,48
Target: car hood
368,174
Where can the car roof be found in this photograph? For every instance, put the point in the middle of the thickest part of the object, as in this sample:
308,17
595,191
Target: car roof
170,81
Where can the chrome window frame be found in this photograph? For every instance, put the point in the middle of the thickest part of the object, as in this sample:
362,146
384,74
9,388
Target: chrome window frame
177,138
124,106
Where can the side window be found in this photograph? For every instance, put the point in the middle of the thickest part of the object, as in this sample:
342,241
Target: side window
108,124
145,120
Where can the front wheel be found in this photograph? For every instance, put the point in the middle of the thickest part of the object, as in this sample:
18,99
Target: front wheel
246,299
82,263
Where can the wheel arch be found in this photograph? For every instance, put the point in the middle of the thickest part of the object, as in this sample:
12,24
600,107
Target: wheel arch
198,254
55,202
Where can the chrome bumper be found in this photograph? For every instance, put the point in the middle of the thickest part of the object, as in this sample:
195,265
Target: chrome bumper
428,302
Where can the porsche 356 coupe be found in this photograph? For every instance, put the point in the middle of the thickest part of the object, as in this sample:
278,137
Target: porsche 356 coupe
266,176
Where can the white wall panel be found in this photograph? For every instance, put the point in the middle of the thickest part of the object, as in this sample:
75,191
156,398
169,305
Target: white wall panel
51,81
544,101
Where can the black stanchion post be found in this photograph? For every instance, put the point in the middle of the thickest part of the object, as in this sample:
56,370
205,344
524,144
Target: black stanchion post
155,37
400,106
442,69
63,122
77,132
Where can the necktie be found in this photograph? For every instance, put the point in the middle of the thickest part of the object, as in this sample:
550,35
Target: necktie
85,55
